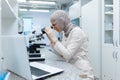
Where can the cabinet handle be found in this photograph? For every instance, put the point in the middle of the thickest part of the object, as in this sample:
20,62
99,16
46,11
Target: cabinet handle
113,43
116,43
116,56
113,54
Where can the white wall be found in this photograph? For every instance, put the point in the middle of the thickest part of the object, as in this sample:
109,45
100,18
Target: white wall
40,20
75,11
91,23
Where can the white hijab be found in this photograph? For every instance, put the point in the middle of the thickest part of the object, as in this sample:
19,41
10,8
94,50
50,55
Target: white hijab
60,18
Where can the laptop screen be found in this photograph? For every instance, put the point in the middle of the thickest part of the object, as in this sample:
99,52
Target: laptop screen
15,55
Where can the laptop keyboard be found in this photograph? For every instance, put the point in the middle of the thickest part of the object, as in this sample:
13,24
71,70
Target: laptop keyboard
38,72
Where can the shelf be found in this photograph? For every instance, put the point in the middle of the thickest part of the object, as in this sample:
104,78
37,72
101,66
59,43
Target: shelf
109,13
7,10
109,9
107,5
108,29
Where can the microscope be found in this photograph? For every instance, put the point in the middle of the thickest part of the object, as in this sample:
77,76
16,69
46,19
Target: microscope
34,54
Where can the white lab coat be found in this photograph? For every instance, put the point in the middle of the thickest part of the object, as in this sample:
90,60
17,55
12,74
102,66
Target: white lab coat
74,50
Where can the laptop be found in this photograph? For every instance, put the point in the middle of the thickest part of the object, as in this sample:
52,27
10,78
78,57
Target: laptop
16,60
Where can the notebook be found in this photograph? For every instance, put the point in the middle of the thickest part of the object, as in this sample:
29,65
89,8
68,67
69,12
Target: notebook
16,60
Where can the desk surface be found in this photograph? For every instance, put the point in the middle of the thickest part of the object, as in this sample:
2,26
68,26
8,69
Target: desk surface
70,72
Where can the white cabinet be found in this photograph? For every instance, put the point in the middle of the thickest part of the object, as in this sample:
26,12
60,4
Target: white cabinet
8,20
91,23
110,39
111,63
117,64
108,63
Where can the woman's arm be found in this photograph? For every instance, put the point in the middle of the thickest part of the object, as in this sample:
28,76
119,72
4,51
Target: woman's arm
74,42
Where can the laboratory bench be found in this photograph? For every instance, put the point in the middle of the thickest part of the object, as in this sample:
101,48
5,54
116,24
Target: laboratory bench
70,71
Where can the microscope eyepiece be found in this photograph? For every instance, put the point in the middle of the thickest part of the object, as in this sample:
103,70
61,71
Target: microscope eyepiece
43,31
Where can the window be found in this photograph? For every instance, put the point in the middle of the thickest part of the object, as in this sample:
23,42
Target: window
76,21
27,25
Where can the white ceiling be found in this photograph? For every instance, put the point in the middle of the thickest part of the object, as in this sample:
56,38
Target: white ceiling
60,4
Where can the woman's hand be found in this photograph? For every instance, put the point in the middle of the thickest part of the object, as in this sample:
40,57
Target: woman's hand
50,34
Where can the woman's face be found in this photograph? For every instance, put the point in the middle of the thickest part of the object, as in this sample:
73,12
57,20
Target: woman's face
56,27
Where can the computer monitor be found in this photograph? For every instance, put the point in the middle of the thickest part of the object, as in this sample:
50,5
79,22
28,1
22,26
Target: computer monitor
14,53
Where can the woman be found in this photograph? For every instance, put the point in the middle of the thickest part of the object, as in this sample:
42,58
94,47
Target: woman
73,47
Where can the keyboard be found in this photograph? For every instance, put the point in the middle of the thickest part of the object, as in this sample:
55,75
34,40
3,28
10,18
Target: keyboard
38,72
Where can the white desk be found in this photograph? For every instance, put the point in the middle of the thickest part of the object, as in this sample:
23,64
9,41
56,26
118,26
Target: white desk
70,72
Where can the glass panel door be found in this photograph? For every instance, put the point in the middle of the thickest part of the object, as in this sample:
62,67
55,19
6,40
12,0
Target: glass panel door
108,26
119,22
27,21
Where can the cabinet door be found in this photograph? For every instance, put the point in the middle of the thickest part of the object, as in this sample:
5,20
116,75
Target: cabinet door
116,21
108,63
118,64
111,22
111,40
108,22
